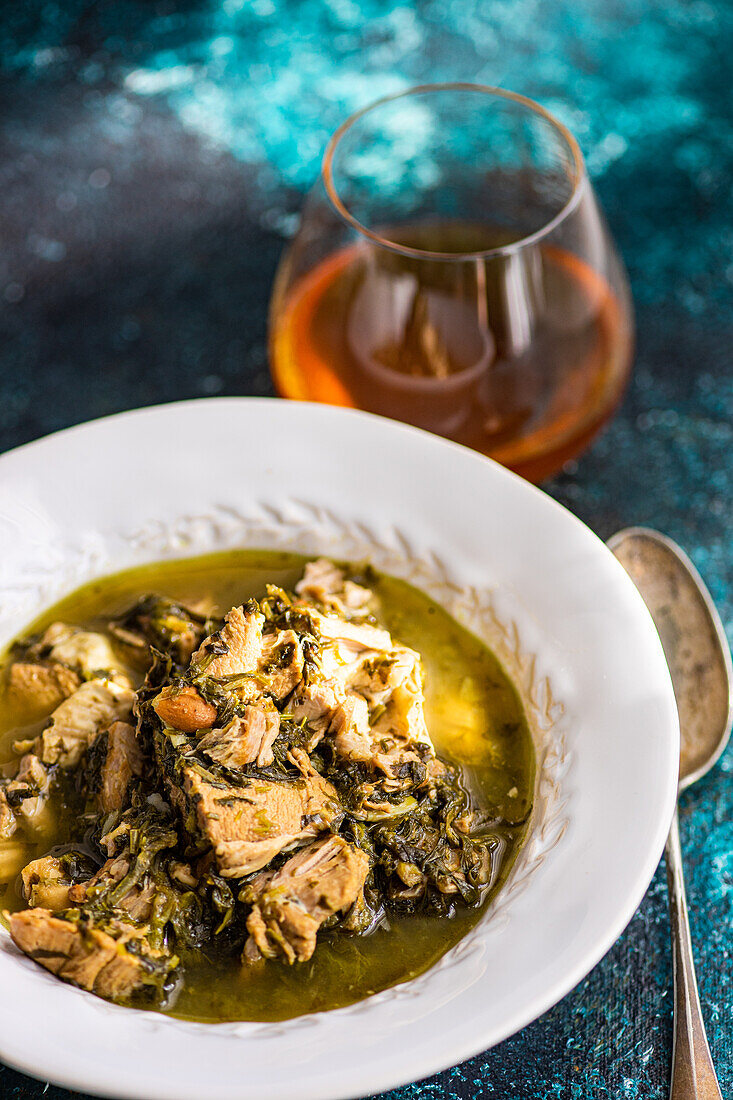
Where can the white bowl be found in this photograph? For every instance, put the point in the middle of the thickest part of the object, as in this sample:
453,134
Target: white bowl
507,560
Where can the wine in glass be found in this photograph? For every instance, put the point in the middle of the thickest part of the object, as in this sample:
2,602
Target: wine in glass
453,270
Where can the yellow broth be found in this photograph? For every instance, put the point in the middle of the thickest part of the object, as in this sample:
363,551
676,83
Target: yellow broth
474,716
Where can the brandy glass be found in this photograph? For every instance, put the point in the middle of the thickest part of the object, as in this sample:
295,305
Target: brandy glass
453,270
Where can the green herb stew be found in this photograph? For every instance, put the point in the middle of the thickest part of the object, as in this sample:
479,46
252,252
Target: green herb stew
250,786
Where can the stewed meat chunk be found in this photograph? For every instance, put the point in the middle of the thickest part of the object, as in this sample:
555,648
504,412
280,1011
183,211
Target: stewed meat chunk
290,905
80,719
247,739
248,825
114,963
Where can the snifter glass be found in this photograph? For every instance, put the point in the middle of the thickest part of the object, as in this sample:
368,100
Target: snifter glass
453,270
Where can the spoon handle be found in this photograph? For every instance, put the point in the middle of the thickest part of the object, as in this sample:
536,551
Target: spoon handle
693,1073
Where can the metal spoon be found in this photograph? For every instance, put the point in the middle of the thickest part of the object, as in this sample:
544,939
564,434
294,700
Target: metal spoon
700,664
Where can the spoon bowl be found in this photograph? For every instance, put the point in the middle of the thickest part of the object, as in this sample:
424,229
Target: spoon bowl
693,639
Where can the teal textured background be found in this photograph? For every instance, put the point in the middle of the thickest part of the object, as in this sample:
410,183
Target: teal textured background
153,161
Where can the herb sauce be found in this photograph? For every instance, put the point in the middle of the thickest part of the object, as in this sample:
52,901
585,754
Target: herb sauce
475,719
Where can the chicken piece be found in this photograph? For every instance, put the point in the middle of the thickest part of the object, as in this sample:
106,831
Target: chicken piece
274,662
391,680
404,717
235,649
398,742
80,953
247,826
350,668
248,739
321,579
350,729
123,760
362,669
23,800
377,677
340,664
344,647
87,652
401,746
290,905
402,766
40,687
281,663
45,883
325,583
360,636
343,641
316,703
30,791
184,709
78,721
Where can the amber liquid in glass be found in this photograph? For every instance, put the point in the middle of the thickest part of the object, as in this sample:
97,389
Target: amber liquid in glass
523,358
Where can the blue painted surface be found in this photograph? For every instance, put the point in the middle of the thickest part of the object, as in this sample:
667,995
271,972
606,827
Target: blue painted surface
155,157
